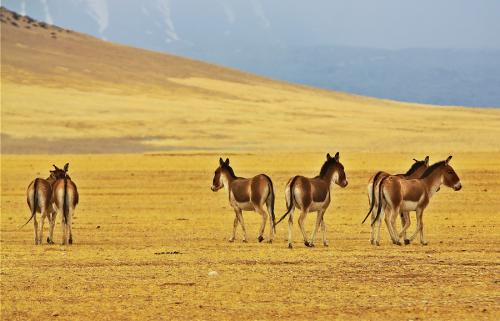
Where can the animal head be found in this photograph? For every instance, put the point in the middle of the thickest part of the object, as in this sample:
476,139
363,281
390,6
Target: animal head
450,177
58,173
419,167
334,164
221,171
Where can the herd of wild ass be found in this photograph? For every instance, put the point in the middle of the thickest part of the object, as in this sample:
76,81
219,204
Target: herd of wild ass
389,196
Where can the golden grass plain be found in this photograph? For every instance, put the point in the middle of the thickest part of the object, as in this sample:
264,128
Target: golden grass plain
135,209
67,96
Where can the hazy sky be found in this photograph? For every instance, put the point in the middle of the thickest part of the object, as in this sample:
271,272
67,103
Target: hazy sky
369,23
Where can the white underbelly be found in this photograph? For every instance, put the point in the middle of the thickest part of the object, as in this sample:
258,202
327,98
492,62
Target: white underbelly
245,206
316,206
409,206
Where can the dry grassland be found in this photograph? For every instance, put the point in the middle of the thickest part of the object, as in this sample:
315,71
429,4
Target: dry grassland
138,211
148,230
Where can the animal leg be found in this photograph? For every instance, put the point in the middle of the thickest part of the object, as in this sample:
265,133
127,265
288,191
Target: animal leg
64,228
376,226
405,223
263,214
42,221
235,225
372,227
388,223
35,223
242,222
319,218
423,241
52,223
323,230
419,225
290,228
70,226
302,217
394,215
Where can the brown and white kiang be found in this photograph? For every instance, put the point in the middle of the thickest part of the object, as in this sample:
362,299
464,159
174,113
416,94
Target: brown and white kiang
65,198
39,199
247,194
313,195
415,171
399,195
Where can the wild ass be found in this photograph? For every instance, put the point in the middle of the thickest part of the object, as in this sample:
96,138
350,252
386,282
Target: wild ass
415,171
246,194
65,198
313,194
400,195
39,198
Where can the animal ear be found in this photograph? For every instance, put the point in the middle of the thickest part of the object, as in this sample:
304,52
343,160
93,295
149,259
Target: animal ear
55,167
448,160
416,160
328,157
66,167
426,160
337,156
221,162
227,161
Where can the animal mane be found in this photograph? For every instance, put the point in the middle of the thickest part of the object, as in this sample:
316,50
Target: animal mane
431,168
230,170
326,166
414,168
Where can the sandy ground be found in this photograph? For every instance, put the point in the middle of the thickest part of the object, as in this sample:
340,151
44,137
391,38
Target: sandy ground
148,231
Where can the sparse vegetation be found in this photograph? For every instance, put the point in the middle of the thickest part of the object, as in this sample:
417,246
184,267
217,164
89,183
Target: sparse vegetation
150,236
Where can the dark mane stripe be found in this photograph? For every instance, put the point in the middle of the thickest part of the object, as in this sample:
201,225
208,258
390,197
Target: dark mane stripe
431,169
413,168
326,166
230,170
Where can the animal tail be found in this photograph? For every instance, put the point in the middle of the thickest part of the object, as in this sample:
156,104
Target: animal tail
372,203
292,201
65,206
380,198
35,202
272,198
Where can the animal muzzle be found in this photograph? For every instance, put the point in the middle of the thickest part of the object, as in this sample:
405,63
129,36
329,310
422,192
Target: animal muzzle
344,183
215,188
457,186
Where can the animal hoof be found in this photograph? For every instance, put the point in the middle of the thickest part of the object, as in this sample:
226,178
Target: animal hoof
372,242
290,246
377,243
70,241
270,241
308,244
245,241
407,242
231,240
48,240
261,238
325,244
424,243
397,243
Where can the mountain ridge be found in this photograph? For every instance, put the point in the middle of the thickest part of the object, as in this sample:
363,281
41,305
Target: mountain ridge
67,92
256,37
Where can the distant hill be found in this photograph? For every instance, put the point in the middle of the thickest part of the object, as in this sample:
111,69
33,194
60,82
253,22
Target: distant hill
66,92
254,36
464,77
